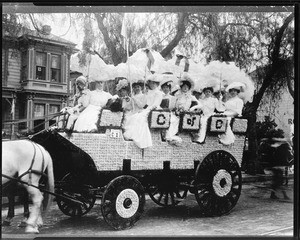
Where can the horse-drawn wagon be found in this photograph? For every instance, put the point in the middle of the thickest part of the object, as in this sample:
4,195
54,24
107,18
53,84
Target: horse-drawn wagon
104,165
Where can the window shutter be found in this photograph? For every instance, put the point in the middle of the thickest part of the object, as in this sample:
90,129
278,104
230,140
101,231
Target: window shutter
48,67
31,64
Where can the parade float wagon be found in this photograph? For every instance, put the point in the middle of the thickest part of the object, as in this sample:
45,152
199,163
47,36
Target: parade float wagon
103,165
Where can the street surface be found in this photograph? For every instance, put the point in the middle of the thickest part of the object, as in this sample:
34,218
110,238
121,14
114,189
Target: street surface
254,215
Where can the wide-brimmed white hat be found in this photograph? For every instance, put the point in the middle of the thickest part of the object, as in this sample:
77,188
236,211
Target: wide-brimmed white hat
236,85
168,78
154,78
81,79
123,83
186,77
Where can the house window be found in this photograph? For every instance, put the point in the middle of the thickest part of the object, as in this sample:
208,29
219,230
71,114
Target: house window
53,109
55,68
40,61
39,111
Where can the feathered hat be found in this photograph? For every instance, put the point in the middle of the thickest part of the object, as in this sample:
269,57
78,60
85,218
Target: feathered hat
123,83
81,79
236,85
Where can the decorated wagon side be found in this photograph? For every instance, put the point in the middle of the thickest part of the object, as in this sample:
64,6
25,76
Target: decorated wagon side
104,165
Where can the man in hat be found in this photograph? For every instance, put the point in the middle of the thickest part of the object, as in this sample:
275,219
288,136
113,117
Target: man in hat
80,102
282,157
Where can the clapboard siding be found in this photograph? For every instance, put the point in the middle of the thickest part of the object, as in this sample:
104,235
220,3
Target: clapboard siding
14,68
282,112
3,64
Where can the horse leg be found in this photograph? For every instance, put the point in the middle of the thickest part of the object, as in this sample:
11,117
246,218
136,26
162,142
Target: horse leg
11,209
37,199
25,201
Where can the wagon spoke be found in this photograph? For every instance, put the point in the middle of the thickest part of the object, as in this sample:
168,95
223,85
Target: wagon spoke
80,210
166,198
160,197
172,198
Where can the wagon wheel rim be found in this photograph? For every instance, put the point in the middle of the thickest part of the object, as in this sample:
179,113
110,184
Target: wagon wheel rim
218,183
123,202
74,209
168,192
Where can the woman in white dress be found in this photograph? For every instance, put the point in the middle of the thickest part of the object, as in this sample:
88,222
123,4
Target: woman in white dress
87,120
208,106
138,98
184,99
233,107
168,101
136,127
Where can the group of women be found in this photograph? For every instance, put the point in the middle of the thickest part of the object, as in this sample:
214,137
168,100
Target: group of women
156,93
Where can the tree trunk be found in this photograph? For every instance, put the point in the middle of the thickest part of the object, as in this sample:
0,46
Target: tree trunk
116,58
181,26
251,108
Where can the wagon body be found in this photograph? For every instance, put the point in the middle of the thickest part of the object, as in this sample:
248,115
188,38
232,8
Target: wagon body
103,164
109,150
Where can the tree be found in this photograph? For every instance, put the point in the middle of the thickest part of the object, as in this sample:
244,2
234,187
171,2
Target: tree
263,41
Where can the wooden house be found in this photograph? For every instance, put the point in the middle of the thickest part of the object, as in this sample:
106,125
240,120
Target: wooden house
35,79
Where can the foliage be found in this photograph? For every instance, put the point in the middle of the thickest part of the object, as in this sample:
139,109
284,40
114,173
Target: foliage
268,129
10,25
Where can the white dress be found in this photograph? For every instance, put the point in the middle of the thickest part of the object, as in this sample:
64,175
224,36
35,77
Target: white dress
208,106
136,127
81,101
138,102
234,107
87,120
183,102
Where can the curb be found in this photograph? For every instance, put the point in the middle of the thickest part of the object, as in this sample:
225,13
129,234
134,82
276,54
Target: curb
246,178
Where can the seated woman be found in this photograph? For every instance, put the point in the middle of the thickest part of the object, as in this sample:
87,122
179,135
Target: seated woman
138,98
209,104
80,102
183,102
168,101
136,127
233,107
123,92
87,120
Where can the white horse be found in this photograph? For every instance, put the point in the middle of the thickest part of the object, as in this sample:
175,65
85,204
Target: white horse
27,161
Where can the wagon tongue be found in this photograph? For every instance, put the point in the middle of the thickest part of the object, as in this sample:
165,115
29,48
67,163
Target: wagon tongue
69,199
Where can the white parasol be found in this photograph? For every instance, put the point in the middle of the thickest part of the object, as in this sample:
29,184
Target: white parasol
227,73
95,68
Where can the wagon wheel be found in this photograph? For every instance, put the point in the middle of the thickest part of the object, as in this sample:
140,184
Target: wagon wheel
218,183
83,195
166,191
123,202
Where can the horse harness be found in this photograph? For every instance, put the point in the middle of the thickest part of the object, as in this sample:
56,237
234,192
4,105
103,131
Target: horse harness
30,171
